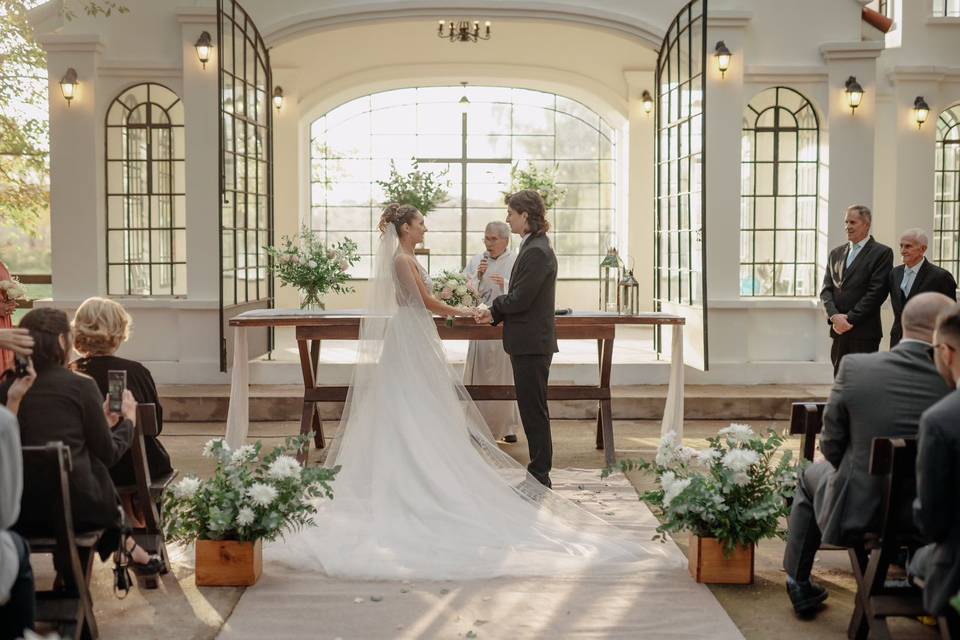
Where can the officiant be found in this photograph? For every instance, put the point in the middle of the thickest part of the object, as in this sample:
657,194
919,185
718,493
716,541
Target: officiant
487,362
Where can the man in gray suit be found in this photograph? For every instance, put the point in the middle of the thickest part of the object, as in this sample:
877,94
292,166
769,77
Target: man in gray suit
937,508
874,395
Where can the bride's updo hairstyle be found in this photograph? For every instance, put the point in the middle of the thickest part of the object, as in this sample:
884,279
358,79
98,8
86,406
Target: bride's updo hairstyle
397,215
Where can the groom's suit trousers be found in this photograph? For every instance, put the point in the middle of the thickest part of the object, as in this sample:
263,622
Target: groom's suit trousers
530,376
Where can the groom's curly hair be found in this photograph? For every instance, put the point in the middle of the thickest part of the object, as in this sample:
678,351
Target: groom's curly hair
530,202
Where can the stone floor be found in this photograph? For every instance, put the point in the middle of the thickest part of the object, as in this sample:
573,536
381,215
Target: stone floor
180,610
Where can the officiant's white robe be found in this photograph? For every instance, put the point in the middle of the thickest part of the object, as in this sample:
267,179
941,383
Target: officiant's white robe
487,362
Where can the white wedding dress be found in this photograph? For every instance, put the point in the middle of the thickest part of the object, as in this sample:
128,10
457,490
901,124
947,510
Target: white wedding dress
423,490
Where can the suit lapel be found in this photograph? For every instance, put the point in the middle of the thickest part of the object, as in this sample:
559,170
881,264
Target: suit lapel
523,247
922,274
857,259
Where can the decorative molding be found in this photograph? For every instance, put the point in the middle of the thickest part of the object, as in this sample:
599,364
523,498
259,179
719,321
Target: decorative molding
851,50
728,18
197,15
923,74
943,21
138,69
70,43
324,19
767,73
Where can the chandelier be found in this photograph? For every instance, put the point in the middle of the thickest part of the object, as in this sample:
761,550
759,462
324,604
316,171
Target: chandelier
463,31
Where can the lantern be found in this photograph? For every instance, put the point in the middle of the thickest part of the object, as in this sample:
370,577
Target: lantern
628,294
610,269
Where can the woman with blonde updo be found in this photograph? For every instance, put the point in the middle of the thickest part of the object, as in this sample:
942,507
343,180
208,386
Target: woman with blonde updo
100,326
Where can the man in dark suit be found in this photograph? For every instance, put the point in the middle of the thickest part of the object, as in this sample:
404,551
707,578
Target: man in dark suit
873,395
854,286
915,275
937,507
526,311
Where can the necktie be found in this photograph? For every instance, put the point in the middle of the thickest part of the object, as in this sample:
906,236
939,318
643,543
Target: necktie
854,250
908,276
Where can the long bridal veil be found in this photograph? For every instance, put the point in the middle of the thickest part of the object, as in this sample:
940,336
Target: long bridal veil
424,491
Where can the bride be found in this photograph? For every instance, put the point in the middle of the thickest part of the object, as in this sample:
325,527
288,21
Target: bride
423,490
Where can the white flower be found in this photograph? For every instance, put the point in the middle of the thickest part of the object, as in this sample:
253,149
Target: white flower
705,457
284,467
261,494
331,254
452,284
739,433
667,449
186,488
243,454
672,487
208,448
686,454
312,264
343,264
245,516
739,460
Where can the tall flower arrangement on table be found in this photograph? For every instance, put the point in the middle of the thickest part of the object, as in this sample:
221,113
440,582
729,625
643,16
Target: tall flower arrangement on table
12,291
453,289
734,491
312,266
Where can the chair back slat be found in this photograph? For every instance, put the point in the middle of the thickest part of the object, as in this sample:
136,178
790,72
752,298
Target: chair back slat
806,421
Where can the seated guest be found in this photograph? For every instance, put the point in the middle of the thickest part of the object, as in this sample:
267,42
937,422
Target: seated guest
915,275
874,395
68,407
487,362
937,507
100,326
17,593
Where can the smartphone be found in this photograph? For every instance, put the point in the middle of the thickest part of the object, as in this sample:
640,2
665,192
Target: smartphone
20,365
116,385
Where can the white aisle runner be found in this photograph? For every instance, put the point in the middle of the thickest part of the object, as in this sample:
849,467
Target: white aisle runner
669,604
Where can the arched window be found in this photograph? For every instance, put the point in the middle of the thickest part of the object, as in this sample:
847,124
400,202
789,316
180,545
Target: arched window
352,147
781,234
946,197
146,222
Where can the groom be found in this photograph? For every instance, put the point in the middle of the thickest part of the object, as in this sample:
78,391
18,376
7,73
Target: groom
526,311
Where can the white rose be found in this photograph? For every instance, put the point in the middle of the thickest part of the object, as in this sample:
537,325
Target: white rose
462,290
186,488
452,284
343,264
245,516
261,494
284,467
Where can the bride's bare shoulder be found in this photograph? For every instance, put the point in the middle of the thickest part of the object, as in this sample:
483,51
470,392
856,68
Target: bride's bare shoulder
402,260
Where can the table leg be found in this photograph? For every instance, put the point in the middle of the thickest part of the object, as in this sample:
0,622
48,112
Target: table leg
605,414
600,404
318,439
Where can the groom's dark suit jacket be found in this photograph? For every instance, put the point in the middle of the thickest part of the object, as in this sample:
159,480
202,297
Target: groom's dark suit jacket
930,277
528,305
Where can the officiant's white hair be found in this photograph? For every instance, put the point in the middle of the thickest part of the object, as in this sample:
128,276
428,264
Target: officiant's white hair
501,228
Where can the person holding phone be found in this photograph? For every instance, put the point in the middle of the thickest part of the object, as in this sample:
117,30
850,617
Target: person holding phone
68,407
100,326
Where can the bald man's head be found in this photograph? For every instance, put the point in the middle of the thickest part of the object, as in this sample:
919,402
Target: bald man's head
920,315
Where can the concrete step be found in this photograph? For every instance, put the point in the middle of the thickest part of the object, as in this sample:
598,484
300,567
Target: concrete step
208,403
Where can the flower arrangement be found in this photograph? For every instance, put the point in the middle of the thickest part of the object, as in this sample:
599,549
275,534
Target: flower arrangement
249,497
11,290
543,181
312,266
421,189
451,287
733,490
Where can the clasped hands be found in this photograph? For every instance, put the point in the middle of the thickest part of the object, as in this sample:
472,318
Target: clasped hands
840,323
481,314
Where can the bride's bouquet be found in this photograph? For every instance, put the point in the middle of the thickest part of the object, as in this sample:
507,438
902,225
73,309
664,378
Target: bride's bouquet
452,289
249,497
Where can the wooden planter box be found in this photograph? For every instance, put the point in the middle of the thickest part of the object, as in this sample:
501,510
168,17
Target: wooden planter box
707,563
226,563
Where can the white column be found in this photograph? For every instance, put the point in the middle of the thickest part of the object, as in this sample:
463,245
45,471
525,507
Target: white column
640,211
77,218
851,134
291,172
201,109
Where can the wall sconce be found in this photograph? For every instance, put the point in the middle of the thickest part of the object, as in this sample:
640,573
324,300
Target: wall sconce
68,84
277,97
920,110
464,101
854,93
203,45
722,54
647,102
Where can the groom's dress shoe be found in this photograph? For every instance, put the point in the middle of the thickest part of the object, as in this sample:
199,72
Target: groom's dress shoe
510,438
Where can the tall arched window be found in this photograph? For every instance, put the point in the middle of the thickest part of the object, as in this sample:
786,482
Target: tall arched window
946,197
781,234
353,145
146,222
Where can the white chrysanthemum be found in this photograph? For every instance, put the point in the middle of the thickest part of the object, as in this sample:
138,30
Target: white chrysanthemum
208,448
245,516
739,433
186,488
284,467
243,454
686,454
675,489
705,457
739,460
261,494
667,449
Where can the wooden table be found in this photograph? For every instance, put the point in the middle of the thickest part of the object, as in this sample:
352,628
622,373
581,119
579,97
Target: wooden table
313,327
